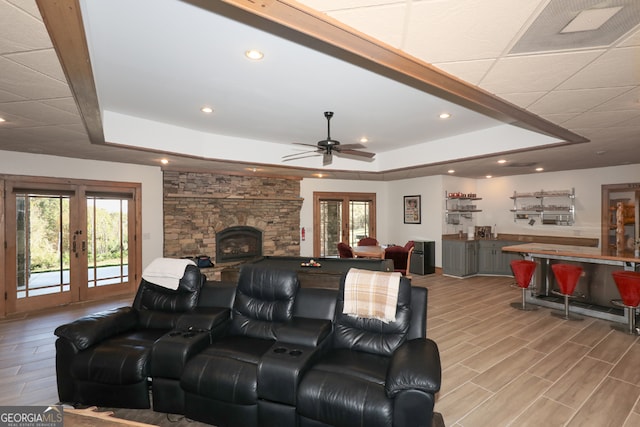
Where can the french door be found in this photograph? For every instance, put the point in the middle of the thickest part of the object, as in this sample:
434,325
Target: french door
68,241
341,217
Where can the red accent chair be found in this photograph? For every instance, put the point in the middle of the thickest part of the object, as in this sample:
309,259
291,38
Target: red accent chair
345,250
400,255
567,277
368,241
628,284
523,272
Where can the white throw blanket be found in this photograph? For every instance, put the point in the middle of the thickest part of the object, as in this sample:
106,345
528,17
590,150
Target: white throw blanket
166,272
371,294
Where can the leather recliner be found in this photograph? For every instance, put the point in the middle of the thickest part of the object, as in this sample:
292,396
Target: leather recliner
376,374
104,359
220,383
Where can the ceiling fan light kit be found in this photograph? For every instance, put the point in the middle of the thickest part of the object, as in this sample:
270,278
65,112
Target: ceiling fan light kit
327,147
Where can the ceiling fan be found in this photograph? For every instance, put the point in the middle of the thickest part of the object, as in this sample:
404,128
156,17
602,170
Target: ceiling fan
327,147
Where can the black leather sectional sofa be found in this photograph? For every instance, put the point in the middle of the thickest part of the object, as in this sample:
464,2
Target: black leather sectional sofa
262,352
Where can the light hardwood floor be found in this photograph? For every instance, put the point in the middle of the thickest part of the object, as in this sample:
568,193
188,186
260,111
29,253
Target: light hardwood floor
501,367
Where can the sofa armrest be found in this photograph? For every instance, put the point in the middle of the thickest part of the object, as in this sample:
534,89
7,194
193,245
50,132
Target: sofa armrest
204,318
415,365
304,331
95,328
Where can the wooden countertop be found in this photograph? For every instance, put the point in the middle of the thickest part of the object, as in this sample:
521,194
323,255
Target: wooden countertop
551,250
533,238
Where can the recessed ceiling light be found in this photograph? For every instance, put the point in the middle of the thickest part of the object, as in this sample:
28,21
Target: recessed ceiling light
450,171
364,139
254,54
319,175
489,176
2,120
501,161
164,161
539,169
591,19
445,115
206,110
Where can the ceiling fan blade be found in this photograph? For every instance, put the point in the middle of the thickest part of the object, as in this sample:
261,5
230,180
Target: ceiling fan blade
307,145
301,153
350,146
300,156
327,158
356,153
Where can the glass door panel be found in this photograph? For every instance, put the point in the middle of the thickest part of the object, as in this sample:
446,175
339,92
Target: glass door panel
359,221
341,217
42,245
330,227
108,241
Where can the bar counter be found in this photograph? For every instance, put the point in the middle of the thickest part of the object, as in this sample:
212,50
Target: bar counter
596,287
626,259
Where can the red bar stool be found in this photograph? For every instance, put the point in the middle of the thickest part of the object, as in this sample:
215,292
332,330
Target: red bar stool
628,283
567,276
523,272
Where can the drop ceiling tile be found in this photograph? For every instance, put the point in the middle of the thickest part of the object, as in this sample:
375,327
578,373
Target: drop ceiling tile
8,97
15,23
445,31
331,5
77,128
545,33
385,23
44,61
469,71
562,118
40,114
535,72
631,122
574,101
31,84
66,104
28,6
598,119
522,99
629,100
618,67
632,40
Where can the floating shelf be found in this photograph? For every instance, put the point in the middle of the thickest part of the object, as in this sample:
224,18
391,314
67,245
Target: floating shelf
552,212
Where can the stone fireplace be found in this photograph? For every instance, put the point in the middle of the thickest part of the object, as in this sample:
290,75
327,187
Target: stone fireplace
238,243
199,208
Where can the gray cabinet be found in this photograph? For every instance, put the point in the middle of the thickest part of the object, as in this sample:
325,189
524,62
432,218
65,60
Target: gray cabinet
491,259
459,257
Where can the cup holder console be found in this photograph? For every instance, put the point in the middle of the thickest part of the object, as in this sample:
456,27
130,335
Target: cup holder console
282,350
280,369
189,333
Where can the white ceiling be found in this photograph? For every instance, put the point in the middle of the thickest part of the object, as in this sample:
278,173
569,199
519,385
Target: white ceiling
156,62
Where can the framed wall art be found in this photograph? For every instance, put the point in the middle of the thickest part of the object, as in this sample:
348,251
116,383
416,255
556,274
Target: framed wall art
412,214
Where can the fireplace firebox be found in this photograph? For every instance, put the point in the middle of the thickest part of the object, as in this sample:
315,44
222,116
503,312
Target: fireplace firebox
238,243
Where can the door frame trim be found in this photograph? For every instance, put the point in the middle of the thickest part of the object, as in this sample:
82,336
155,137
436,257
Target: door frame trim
64,184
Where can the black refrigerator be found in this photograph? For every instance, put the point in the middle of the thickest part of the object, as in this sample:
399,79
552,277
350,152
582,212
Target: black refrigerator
423,258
